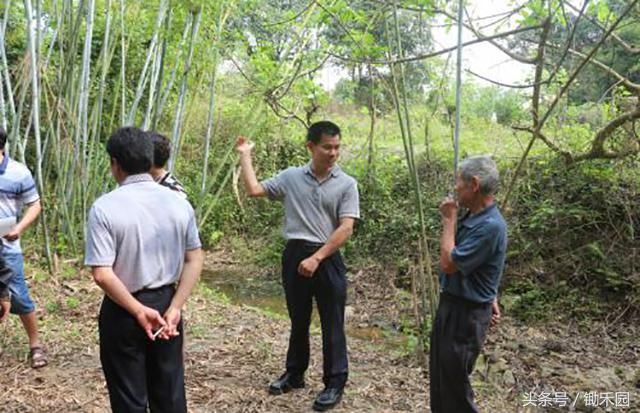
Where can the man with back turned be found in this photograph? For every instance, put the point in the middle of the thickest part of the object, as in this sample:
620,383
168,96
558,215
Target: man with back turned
147,263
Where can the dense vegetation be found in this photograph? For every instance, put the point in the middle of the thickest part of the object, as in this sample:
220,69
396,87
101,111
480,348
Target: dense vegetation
204,72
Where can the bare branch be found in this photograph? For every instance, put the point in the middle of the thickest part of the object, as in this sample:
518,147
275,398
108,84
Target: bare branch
633,87
399,6
628,48
569,39
504,14
597,145
535,106
604,155
276,106
246,77
514,56
535,99
512,86
439,52
539,124
582,64
299,75
568,157
294,18
339,23
288,83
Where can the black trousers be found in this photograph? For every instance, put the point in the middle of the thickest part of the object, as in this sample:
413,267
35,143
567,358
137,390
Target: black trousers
329,287
141,374
457,336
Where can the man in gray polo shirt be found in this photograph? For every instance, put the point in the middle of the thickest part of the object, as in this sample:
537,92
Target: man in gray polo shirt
141,241
321,205
471,262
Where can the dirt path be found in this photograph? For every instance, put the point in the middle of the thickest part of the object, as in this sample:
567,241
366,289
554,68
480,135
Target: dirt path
232,354
234,351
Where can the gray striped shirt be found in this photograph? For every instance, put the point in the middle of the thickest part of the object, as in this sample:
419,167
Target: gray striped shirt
17,189
312,209
142,230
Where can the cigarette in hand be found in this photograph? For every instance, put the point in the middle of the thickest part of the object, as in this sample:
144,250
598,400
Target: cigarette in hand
157,333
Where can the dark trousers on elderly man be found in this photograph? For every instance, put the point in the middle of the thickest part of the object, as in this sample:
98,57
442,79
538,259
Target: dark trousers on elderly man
457,336
141,374
329,287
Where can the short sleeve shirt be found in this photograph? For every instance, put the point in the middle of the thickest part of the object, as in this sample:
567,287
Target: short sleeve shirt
479,254
313,208
142,230
17,189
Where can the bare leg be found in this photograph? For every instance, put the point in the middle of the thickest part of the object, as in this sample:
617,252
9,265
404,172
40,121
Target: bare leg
37,354
30,323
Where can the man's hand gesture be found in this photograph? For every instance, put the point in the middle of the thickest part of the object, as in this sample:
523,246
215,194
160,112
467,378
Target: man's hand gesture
449,208
308,266
14,234
244,146
172,316
151,321
495,313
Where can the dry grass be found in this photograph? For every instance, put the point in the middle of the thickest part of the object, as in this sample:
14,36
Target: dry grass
234,351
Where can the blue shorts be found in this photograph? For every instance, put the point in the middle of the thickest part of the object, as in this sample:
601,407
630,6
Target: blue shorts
21,302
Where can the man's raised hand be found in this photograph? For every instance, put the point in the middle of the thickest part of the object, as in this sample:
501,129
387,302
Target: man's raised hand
449,208
244,145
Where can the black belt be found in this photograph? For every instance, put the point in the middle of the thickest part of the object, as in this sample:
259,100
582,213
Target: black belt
154,290
462,301
304,244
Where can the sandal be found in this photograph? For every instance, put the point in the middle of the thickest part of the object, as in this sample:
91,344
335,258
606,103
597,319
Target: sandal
38,357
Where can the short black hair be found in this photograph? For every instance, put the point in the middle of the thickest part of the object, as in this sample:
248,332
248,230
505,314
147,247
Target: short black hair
132,149
3,138
161,149
316,130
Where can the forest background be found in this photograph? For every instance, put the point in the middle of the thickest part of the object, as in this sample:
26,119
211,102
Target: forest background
204,72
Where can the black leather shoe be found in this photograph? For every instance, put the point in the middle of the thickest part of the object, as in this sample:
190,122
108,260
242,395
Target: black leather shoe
327,399
286,383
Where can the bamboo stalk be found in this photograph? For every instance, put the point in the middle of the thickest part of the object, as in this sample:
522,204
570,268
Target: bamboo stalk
14,133
150,54
36,121
424,256
222,17
82,132
456,133
158,86
372,125
177,125
155,73
123,69
169,85
3,109
5,65
106,56
207,138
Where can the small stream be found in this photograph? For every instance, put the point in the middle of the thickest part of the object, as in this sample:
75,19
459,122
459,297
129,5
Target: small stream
266,293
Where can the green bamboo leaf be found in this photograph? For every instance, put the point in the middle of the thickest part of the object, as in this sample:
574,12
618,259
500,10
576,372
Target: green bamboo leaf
602,11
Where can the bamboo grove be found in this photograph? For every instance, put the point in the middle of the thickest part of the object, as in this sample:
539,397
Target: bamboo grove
73,71
71,86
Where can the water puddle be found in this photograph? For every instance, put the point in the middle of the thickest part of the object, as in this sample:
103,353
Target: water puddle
265,293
